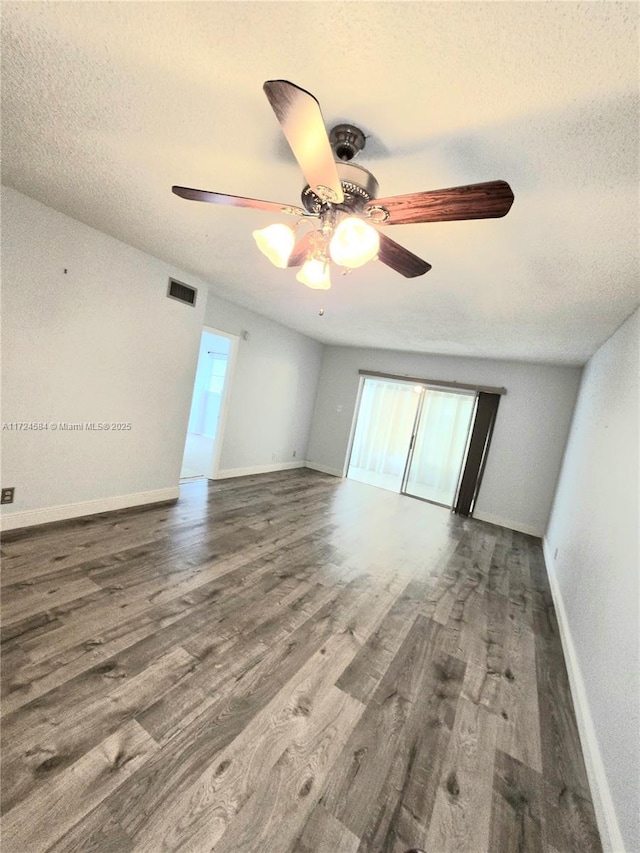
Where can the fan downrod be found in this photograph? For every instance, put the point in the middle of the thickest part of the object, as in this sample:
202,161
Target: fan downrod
347,141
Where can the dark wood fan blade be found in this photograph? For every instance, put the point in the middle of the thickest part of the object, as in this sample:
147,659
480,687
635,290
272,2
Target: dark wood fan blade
301,120
400,259
300,250
237,201
476,201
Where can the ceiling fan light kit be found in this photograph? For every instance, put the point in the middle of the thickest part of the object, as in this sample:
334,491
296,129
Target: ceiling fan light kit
315,274
343,197
276,242
353,243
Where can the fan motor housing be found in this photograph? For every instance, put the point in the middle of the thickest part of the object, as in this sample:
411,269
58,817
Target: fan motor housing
358,185
347,141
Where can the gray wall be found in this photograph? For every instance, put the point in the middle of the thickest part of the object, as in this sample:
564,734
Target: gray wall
594,527
272,390
99,343
529,437
103,343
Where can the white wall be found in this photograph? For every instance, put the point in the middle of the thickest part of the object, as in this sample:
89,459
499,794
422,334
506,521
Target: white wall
594,527
528,440
99,343
272,391
103,343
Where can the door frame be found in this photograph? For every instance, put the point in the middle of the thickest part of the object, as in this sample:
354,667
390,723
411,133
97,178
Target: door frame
354,423
225,397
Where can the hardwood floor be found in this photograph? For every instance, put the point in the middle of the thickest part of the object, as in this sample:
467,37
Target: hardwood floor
286,663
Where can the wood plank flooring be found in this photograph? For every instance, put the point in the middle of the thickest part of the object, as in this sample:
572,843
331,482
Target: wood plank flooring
285,663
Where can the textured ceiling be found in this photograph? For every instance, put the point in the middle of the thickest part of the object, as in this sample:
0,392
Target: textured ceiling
106,105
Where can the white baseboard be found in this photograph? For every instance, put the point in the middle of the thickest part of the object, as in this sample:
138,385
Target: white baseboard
508,523
29,517
603,804
324,469
225,473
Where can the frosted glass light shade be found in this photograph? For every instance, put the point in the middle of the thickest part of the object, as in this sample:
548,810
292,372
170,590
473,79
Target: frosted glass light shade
354,243
315,273
276,242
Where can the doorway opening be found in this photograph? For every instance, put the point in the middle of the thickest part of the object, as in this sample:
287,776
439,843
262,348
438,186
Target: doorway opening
412,439
208,406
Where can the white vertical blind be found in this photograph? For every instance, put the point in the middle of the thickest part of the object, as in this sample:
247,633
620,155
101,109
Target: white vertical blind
383,432
439,446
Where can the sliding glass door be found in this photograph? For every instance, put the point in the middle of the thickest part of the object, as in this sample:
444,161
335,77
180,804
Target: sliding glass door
439,445
386,422
411,439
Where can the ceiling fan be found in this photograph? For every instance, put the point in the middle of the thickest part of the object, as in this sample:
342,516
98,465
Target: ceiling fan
340,202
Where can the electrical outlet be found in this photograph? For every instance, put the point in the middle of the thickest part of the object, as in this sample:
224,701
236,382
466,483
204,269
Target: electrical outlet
294,453
7,495
273,457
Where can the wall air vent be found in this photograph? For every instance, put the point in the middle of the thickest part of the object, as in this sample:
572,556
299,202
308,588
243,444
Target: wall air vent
181,292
